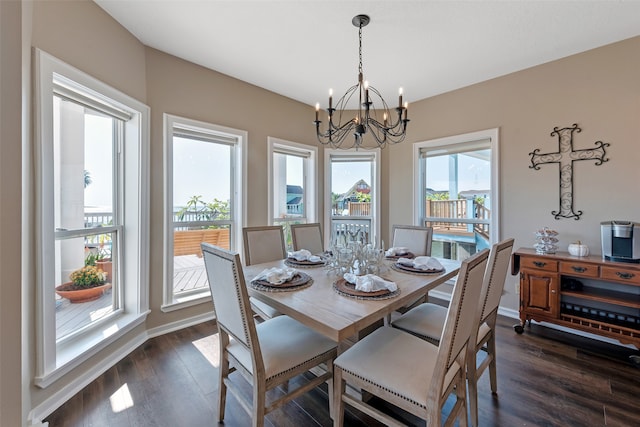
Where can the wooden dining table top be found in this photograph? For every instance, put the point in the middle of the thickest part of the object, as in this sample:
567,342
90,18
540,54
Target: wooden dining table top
337,316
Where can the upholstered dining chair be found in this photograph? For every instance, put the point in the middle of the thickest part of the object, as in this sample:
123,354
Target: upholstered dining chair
263,244
427,321
268,354
412,373
307,236
416,239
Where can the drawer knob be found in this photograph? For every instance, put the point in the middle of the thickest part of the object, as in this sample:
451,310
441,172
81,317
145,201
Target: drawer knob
578,269
624,275
539,264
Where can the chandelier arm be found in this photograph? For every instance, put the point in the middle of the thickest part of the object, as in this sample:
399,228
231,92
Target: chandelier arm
336,135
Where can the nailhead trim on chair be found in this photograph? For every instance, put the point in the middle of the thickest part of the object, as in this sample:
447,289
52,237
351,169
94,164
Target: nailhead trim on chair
450,360
323,356
395,393
493,271
247,337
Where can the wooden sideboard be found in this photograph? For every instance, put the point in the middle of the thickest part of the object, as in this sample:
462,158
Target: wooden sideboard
584,293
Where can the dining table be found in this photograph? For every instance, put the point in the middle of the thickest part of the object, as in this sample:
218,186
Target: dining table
322,307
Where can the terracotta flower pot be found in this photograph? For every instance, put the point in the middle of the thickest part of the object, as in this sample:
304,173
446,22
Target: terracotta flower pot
81,295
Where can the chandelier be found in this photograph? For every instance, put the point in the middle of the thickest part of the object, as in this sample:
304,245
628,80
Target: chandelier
373,115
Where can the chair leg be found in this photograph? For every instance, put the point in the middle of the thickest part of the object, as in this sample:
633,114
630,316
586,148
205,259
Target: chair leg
491,352
330,389
472,381
338,404
223,373
461,392
259,402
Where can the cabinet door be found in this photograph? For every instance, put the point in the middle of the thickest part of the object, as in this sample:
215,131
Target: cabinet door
540,293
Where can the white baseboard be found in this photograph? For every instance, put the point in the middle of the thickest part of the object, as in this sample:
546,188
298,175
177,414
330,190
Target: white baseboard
179,324
44,409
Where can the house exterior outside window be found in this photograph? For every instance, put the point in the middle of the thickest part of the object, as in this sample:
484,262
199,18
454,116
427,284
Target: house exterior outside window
292,184
352,183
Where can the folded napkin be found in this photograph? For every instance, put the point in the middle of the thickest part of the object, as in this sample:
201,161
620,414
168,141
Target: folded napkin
422,263
397,251
276,275
370,283
304,255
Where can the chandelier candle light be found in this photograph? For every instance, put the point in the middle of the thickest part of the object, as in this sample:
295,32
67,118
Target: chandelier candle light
373,115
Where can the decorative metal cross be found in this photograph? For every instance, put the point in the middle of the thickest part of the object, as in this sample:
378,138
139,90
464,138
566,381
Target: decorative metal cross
564,157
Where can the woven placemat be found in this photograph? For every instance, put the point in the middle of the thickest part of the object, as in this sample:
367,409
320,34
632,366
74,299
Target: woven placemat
304,264
299,281
408,255
410,270
347,289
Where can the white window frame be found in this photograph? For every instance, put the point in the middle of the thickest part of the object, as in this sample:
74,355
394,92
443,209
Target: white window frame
375,193
171,301
55,359
310,185
492,135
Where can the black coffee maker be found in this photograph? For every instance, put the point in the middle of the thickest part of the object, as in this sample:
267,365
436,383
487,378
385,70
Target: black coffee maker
620,241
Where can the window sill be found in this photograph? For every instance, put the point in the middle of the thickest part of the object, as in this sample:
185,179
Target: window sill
73,353
180,302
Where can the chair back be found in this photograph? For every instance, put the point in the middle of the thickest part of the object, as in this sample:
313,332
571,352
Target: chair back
416,239
307,236
494,278
229,294
263,244
463,307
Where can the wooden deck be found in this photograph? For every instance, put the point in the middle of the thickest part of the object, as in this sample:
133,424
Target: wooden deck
188,274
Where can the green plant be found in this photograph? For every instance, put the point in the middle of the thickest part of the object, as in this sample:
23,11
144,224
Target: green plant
90,260
197,209
93,257
88,276
363,197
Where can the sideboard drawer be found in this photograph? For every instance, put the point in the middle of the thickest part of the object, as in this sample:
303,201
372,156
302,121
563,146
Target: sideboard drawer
579,269
538,263
620,275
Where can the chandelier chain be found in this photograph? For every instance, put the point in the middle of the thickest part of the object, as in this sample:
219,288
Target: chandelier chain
360,49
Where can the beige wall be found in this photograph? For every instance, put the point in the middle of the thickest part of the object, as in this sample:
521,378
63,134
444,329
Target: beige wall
85,36
184,89
11,398
599,90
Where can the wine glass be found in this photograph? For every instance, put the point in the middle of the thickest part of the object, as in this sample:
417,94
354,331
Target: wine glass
345,260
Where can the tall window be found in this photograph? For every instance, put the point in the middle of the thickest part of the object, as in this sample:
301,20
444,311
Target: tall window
457,192
351,199
202,192
91,186
292,184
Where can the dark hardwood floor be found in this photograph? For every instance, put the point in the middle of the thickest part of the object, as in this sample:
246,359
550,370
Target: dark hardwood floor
545,378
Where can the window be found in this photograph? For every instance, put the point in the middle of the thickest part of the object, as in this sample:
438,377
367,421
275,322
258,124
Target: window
203,181
457,193
353,182
292,184
91,187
